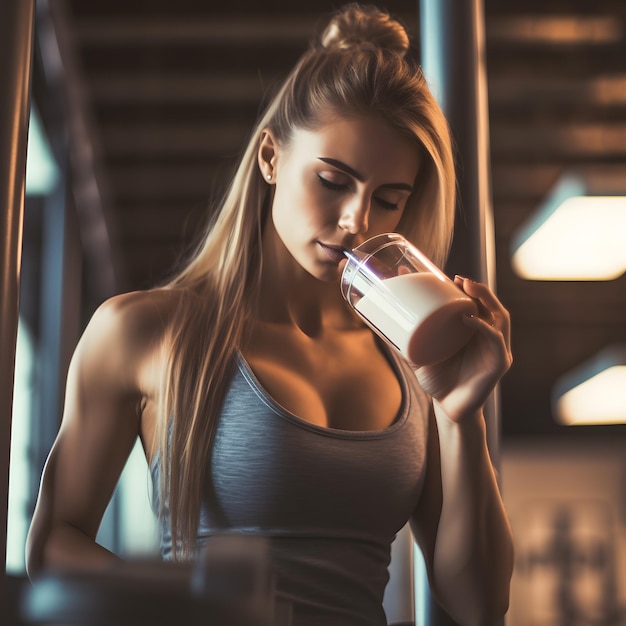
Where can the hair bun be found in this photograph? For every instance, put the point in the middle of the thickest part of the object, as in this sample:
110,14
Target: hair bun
357,25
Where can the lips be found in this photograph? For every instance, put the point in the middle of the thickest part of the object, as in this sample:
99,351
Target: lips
335,253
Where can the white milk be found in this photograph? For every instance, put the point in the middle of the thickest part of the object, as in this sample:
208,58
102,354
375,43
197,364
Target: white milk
420,314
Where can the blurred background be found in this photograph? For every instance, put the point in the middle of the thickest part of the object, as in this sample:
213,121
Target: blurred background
139,111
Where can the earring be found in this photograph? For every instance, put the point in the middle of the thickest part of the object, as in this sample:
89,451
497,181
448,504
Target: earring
269,177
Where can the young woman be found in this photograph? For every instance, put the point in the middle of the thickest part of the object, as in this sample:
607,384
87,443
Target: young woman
263,404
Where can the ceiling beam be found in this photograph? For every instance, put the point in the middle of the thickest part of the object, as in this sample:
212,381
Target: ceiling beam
174,139
209,30
555,29
164,180
517,90
569,142
528,181
161,88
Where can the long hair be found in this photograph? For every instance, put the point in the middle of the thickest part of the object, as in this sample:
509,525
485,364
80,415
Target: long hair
358,66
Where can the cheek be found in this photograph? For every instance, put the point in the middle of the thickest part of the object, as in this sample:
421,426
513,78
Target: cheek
298,206
286,213
385,221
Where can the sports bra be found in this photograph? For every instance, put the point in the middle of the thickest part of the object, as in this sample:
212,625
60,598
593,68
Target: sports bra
329,501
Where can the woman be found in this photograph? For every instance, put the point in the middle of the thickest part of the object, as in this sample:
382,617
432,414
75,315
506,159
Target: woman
263,404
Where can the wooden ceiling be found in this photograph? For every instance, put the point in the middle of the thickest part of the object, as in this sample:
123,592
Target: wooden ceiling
162,95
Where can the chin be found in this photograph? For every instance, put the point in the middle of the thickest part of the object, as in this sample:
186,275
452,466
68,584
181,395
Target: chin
331,274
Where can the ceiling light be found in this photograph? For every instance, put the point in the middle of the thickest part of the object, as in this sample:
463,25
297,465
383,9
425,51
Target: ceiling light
573,236
594,393
42,172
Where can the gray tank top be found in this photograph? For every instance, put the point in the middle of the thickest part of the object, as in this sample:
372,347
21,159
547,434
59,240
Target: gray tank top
329,501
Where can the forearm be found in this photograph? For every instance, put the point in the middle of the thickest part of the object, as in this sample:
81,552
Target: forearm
473,556
64,547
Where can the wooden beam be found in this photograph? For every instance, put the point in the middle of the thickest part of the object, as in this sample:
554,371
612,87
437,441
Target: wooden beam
217,29
552,90
173,139
160,88
567,142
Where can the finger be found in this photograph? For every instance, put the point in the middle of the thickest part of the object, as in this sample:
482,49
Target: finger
500,323
489,306
494,335
472,289
479,291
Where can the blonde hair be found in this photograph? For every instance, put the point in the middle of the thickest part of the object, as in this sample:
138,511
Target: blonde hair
358,66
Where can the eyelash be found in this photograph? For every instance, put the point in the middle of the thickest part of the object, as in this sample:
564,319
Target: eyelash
331,186
387,206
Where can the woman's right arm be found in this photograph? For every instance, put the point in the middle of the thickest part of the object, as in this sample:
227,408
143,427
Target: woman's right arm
101,421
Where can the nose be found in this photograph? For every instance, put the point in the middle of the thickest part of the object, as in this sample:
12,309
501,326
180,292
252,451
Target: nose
355,216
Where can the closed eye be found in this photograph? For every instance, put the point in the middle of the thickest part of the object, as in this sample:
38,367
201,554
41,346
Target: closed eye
330,185
384,204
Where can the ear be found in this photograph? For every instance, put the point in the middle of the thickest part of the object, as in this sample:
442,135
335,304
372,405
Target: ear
267,155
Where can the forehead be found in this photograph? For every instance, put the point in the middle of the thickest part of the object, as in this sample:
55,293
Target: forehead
369,145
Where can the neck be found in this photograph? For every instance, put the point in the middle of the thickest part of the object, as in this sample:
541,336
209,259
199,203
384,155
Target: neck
290,295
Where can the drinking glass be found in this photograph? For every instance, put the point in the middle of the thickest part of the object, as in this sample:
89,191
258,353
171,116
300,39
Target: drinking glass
406,299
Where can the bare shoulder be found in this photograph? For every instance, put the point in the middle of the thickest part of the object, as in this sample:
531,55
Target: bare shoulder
113,375
137,315
125,330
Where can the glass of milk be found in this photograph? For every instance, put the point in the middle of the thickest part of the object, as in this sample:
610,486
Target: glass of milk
406,299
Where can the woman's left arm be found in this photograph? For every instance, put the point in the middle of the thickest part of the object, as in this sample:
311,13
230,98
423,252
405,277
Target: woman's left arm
461,523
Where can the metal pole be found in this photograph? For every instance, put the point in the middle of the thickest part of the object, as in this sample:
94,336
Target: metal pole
453,60
16,44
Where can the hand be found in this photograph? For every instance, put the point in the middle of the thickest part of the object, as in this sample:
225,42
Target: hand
462,383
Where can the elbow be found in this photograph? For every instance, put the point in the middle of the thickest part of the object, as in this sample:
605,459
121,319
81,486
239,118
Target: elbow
34,565
483,599
495,609
34,554
493,616
483,611
487,613
493,595
493,586
38,540
494,604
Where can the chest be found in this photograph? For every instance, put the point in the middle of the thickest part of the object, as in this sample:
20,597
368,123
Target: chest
271,470
342,381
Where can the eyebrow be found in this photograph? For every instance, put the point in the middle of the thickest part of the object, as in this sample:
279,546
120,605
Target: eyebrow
348,170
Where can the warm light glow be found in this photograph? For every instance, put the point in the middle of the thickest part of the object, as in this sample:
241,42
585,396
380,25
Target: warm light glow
599,400
582,239
608,90
556,29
